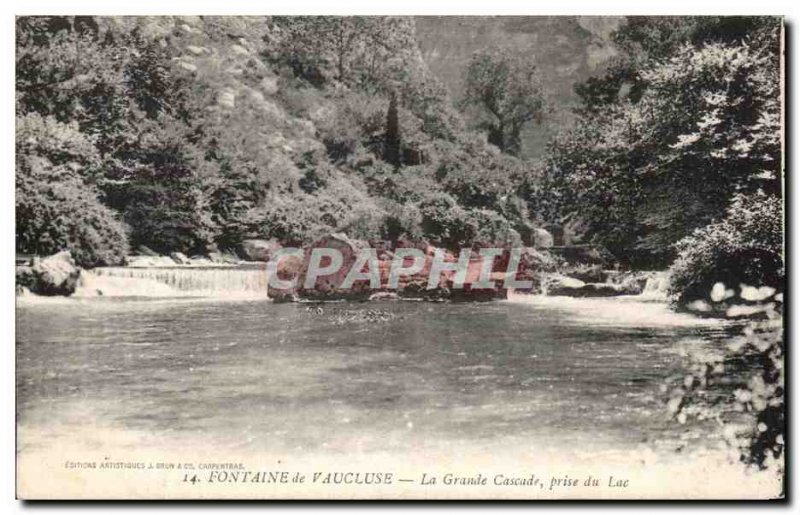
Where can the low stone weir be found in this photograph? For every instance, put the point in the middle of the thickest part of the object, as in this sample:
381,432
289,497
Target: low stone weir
177,281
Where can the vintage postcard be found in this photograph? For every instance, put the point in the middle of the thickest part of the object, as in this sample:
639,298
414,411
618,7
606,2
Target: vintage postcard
399,257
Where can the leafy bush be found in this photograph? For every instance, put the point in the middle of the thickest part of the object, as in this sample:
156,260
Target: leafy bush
644,173
164,201
58,207
58,214
492,229
444,222
750,409
357,119
302,219
745,247
59,143
403,221
365,222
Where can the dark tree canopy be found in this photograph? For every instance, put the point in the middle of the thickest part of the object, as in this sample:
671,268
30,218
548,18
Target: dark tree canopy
504,83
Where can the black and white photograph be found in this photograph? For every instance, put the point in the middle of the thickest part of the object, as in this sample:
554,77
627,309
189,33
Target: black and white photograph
399,257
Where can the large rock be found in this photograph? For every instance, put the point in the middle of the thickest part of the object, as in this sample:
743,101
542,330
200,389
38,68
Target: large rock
53,275
269,85
258,250
635,278
288,268
149,261
557,283
535,265
223,258
586,254
542,239
143,250
328,287
605,290
571,287
180,258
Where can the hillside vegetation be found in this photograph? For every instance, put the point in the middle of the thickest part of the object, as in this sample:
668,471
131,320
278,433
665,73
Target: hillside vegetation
188,134
193,134
677,152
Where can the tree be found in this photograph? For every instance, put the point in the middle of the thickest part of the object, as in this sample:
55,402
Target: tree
353,50
57,206
391,152
164,200
745,247
505,85
64,71
642,39
645,171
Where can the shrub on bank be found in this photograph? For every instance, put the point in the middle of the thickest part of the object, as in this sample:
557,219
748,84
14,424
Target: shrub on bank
749,409
65,215
57,202
746,247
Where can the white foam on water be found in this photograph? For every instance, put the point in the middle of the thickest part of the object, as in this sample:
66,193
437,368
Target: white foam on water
624,310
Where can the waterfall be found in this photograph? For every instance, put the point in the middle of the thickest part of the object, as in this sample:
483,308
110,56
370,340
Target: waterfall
177,281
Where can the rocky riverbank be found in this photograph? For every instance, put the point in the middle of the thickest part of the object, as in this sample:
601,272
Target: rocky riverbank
414,285
52,275
59,275
553,276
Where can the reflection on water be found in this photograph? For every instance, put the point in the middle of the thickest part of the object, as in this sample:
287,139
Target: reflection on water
531,373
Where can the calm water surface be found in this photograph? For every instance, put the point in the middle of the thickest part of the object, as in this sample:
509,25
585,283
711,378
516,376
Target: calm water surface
251,376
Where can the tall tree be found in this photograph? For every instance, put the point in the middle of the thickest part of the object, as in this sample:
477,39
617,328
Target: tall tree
391,151
644,170
353,50
505,84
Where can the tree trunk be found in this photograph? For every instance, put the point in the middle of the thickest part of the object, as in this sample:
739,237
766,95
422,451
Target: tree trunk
391,150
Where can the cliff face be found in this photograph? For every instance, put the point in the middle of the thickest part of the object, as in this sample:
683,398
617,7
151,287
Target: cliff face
567,49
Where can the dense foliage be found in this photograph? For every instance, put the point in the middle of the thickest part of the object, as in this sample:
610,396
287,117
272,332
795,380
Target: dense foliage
193,134
745,247
676,160
206,131
671,134
751,412
505,85
57,204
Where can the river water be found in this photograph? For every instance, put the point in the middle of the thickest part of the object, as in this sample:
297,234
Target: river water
551,376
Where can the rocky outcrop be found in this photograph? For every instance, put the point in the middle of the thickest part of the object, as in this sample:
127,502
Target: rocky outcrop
53,275
180,258
149,261
571,287
542,239
585,254
326,287
223,258
258,250
414,286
